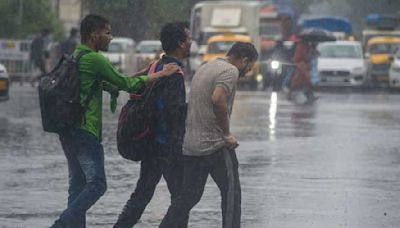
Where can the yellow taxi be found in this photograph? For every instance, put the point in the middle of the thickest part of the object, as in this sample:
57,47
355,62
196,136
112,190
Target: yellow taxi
219,45
379,52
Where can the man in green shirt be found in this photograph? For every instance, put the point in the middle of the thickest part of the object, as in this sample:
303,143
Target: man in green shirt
82,145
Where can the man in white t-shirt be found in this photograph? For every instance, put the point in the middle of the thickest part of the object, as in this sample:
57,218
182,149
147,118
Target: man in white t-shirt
208,146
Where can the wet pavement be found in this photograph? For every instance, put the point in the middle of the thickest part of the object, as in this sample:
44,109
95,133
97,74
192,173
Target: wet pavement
335,163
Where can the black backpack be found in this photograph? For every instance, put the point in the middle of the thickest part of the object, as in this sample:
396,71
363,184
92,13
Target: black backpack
59,96
134,123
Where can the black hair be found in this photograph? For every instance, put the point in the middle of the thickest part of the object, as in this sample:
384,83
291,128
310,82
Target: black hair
243,49
73,31
45,31
172,34
92,23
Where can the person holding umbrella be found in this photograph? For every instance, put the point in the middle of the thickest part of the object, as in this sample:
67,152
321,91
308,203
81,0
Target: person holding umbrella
301,78
309,38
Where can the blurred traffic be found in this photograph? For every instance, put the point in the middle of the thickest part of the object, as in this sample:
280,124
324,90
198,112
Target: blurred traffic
316,116
275,28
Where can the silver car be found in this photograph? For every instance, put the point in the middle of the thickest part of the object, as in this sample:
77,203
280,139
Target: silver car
342,63
147,51
121,53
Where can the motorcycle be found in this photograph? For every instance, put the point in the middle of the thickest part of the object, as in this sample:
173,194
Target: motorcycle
276,71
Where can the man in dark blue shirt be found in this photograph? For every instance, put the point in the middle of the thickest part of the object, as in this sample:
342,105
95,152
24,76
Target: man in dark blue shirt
170,108
165,156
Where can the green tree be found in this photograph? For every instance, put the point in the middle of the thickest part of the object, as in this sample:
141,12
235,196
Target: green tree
21,18
140,19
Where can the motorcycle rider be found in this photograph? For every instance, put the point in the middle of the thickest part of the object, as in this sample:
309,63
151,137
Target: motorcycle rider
302,79
282,56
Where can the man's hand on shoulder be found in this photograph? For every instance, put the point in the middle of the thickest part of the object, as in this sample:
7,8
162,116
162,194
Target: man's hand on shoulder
170,69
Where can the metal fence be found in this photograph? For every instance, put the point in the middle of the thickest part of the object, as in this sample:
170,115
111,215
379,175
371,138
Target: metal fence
15,56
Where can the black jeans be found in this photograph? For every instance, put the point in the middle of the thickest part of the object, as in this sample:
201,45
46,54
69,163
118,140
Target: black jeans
223,168
159,162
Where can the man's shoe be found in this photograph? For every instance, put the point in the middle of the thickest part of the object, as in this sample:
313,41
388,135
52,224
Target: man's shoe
58,224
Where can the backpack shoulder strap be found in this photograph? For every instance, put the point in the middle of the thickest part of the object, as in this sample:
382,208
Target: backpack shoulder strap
153,67
152,70
79,56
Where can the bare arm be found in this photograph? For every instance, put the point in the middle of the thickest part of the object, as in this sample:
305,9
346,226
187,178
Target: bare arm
141,72
169,69
220,104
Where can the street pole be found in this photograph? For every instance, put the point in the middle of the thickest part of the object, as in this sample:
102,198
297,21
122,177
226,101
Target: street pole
20,12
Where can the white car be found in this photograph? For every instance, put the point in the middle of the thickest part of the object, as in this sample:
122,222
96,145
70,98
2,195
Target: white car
195,59
121,53
147,51
4,83
341,63
394,72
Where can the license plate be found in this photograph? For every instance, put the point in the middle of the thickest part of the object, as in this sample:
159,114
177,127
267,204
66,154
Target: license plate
382,78
3,85
335,79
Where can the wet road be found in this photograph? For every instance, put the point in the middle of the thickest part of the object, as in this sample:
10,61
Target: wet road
332,164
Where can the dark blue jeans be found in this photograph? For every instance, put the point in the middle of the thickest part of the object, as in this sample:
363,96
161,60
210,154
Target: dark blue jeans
87,180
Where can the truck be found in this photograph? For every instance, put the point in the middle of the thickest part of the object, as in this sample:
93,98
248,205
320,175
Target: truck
265,22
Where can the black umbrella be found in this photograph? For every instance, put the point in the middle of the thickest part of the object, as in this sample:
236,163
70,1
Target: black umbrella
316,35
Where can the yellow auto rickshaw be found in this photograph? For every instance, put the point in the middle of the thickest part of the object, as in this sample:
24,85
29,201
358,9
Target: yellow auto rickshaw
379,54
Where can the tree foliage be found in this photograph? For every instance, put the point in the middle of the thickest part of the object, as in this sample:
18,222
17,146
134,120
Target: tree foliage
140,19
21,18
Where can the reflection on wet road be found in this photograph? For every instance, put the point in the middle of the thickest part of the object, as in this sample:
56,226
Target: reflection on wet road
335,163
